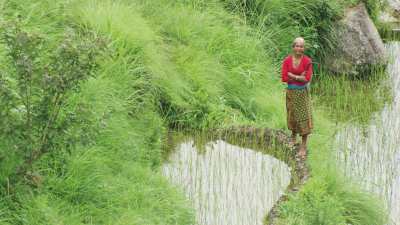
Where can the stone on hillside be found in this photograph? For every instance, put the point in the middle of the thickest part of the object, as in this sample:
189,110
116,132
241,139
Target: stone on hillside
394,6
389,20
386,17
359,43
390,14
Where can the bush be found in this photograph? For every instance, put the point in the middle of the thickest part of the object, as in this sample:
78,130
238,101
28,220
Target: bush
36,85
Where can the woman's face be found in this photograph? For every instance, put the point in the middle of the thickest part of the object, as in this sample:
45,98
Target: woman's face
298,48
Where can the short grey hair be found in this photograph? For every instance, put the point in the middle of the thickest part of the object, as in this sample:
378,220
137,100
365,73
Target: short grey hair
297,40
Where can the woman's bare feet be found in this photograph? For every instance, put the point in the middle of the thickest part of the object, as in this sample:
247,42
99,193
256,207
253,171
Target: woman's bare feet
292,142
302,152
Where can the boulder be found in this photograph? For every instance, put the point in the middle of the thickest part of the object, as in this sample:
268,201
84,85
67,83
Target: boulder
390,13
359,44
387,18
394,7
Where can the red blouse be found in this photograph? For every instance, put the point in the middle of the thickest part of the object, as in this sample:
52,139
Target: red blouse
304,65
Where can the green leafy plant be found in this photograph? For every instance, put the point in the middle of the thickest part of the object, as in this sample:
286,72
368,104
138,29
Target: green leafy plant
37,85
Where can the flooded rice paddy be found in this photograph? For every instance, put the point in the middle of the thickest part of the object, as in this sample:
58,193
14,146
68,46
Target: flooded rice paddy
227,184
371,156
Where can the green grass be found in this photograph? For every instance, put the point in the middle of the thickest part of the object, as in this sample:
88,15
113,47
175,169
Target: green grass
327,200
168,65
352,100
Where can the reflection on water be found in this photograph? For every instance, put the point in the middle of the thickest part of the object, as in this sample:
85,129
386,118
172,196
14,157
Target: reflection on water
227,185
372,156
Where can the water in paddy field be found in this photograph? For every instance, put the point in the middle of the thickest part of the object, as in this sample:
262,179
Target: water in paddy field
371,156
226,184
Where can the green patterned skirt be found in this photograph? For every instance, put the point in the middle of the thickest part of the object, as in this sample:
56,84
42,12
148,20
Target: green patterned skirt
299,111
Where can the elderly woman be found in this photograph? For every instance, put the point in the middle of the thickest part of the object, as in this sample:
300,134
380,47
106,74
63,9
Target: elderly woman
297,73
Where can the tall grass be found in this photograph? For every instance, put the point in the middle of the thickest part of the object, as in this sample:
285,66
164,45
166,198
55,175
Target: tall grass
200,55
111,178
315,20
328,200
282,21
352,100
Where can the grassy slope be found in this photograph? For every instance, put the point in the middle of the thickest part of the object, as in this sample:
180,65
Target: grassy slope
186,64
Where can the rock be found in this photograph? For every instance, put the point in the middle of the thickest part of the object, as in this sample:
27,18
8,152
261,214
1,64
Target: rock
394,7
386,17
390,13
389,20
359,43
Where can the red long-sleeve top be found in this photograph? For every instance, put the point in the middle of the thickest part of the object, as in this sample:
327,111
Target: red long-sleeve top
304,65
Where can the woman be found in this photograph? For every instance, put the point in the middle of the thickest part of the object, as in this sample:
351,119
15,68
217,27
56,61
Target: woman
297,73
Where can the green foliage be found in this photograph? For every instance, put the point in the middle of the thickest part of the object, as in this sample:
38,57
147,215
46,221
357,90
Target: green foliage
282,21
42,80
204,71
373,7
109,126
331,200
352,99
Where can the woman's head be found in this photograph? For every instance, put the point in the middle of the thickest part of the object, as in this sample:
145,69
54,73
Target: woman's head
298,46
